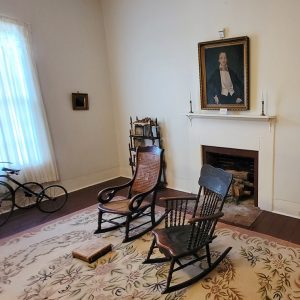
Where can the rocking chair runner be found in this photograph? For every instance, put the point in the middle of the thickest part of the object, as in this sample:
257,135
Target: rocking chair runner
144,182
182,239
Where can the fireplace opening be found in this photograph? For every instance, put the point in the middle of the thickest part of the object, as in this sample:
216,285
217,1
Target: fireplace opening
243,164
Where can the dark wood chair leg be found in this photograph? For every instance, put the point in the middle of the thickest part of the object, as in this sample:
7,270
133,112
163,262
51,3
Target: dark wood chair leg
208,255
153,215
169,276
127,229
153,209
150,251
99,221
149,260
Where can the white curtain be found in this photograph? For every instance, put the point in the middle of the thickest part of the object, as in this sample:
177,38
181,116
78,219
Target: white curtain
24,135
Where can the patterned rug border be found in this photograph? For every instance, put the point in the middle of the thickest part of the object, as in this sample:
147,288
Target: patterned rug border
249,233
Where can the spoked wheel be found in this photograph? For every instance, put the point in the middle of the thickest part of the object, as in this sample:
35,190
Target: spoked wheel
52,198
27,196
7,202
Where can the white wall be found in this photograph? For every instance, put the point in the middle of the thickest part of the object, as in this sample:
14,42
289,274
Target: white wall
70,52
152,46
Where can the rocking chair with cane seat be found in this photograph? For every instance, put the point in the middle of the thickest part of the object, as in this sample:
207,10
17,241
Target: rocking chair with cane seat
144,183
183,239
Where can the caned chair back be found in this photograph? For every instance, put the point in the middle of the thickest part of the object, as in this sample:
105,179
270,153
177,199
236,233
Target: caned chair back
148,169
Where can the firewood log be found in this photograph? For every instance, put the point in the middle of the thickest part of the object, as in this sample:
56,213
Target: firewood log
239,174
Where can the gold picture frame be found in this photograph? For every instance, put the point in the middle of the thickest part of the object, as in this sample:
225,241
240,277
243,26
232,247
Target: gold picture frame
224,74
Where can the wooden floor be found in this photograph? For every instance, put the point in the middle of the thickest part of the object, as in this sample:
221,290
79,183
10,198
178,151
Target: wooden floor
279,226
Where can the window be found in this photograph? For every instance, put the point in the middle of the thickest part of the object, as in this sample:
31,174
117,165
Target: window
24,134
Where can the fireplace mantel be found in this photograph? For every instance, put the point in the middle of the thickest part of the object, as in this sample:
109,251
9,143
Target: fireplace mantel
248,117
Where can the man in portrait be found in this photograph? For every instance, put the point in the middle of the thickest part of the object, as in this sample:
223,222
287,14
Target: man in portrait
224,86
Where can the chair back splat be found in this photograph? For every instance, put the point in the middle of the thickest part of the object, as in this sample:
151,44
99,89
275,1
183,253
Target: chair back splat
148,170
189,226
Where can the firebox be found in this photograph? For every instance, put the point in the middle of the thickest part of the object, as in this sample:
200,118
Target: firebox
243,164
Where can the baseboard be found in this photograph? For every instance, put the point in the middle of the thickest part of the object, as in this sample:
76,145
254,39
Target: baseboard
78,183
287,208
180,189
125,172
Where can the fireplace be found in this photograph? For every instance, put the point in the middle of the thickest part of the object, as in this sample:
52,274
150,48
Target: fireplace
239,161
234,131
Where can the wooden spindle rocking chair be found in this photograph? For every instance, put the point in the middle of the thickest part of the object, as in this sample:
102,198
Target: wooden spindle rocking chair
184,237
144,183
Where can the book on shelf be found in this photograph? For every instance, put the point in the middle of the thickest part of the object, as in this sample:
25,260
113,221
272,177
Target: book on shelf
92,251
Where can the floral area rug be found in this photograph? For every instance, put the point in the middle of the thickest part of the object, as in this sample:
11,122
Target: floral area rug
38,264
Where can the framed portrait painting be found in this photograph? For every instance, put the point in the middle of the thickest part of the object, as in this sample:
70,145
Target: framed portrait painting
224,73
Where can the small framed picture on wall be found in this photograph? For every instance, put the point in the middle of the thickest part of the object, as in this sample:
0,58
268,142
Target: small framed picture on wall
80,101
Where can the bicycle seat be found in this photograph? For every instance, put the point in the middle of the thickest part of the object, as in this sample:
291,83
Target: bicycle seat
11,171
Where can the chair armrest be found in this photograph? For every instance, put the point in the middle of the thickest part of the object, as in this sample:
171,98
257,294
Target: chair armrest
136,200
207,218
107,194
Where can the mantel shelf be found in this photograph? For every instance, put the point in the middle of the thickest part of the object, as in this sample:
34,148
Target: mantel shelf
242,117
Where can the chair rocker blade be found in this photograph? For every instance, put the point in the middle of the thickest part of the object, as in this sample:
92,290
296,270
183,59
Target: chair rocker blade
196,278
